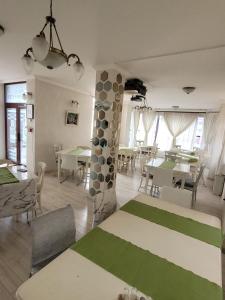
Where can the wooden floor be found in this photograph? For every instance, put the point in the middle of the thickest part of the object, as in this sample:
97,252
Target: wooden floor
15,237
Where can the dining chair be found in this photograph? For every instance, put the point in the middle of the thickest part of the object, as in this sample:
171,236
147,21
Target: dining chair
192,185
70,164
170,155
143,170
177,196
56,148
161,177
40,182
126,158
52,234
17,198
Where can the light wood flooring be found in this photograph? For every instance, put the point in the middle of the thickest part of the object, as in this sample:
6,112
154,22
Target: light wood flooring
15,237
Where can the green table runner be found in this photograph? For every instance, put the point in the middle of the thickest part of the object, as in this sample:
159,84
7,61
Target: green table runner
7,177
168,164
187,226
77,151
149,273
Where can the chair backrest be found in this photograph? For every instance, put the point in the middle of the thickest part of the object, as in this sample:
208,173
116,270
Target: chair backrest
52,233
170,155
143,162
69,162
162,177
56,148
180,197
16,198
126,154
41,173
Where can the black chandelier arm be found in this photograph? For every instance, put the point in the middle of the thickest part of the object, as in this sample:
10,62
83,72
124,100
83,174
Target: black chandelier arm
72,55
29,50
58,37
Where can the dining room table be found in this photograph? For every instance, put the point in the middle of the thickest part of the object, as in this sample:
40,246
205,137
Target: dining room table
80,154
149,247
181,171
14,174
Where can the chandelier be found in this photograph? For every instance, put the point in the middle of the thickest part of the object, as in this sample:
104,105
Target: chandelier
46,53
143,106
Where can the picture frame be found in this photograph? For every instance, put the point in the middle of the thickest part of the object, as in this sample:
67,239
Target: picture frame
30,111
72,118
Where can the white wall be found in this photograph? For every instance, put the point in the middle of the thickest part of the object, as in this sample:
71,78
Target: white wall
51,104
2,123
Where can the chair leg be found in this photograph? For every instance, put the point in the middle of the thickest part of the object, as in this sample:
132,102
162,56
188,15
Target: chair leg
39,201
140,183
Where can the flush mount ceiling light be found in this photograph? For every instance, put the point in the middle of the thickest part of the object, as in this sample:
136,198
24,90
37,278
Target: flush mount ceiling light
188,89
2,30
47,54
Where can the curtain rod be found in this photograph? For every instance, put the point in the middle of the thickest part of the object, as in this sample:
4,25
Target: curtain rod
188,111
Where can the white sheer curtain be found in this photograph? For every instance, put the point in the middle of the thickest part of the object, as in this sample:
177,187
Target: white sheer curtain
178,122
209,131
148,117
136,119
217,151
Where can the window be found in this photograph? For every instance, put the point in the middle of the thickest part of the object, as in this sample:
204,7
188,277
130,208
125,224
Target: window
164,138
14,92
192,136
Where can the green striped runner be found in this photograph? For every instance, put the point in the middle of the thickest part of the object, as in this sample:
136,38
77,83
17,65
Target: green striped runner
6,176
187,226
152,275
77,151
168,164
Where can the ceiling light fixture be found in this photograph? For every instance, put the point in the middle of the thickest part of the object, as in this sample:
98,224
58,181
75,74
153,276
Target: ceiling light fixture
188,89
47,54
2,30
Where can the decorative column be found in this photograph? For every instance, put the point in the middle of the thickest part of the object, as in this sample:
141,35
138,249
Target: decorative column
105,142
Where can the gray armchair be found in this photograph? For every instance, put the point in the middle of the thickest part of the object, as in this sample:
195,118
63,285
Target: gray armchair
52,234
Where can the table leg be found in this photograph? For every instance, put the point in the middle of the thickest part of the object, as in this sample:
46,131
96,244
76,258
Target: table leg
59,167
182,183
146,180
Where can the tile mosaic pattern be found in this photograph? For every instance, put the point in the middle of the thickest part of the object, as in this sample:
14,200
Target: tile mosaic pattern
105,142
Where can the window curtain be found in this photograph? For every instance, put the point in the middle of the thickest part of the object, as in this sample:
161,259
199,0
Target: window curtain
148,117
217,146
178,123
136,119
208,131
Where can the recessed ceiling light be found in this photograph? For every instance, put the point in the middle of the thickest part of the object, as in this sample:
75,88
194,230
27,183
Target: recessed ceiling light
2,30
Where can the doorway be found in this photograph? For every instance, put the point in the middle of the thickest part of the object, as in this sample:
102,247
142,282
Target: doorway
15,122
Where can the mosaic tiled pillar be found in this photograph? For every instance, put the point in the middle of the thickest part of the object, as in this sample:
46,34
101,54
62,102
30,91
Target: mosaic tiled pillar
105,143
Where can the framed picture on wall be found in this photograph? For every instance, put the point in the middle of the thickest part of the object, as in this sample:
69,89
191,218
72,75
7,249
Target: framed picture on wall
72,118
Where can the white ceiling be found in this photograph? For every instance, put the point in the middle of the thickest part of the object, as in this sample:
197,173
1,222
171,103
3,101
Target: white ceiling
139,36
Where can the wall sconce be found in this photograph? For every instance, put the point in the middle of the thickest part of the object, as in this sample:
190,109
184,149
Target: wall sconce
75,102
27,96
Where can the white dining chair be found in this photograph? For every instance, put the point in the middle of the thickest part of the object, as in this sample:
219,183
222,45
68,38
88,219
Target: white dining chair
69,164
56,148
17,198
176,196
161,177
41,173
144,177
